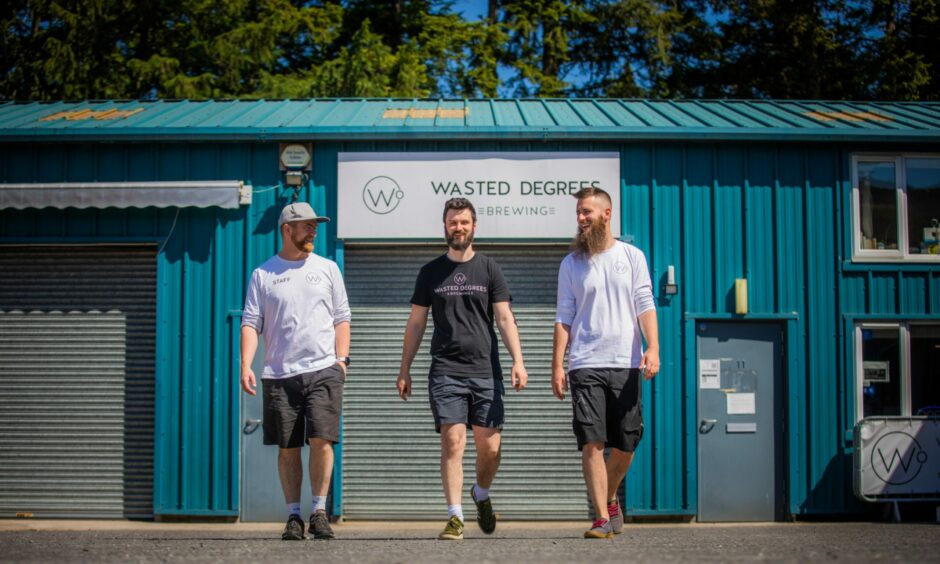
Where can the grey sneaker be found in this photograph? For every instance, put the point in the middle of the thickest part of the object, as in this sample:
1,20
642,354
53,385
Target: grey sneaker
616,517
320,526
600,529
294,529
486,519
453,530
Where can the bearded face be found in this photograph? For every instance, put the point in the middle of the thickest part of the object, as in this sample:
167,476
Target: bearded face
301,235
459,229
591,237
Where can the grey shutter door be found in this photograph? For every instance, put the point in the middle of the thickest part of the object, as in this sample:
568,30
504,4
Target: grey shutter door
391,453
77,340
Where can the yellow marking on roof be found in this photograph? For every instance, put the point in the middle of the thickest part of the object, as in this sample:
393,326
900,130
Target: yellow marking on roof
416,113
78,115
847,116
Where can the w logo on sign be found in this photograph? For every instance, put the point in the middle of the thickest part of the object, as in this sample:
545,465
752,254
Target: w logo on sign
382,195
897,458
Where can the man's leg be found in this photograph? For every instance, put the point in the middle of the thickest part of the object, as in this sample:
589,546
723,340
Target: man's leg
321,466
453,443
595,477
487,441
290,470
618,462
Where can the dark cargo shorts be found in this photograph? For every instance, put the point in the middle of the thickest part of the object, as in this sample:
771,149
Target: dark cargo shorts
606,407
466,399
303,407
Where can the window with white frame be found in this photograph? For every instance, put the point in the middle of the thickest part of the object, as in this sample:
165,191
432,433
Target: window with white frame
896,207
897,369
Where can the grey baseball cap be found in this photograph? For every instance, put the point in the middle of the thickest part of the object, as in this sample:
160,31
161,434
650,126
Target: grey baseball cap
299,211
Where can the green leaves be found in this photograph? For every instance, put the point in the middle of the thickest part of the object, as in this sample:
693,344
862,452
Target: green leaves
70,49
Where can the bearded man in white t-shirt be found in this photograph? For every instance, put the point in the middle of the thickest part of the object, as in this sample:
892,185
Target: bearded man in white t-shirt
297,303
605,305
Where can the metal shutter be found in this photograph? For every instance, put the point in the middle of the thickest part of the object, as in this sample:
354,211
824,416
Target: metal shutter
77,340
391,454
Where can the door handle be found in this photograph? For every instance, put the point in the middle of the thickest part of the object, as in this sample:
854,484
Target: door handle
251,425
706,425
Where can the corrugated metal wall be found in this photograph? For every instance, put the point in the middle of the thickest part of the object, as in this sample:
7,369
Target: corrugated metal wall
77,334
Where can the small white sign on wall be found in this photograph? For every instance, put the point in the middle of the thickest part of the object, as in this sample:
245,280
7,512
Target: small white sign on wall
521,195
709,374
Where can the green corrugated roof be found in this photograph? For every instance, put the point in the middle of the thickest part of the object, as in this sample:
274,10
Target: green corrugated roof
461,119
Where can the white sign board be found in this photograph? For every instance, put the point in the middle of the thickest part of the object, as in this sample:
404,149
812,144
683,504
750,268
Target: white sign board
516,195
709,373
897,458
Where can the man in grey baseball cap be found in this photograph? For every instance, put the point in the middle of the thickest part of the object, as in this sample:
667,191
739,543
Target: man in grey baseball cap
299,211
297,303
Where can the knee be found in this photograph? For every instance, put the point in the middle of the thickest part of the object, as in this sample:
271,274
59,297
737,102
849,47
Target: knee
319,445
452,444
288,454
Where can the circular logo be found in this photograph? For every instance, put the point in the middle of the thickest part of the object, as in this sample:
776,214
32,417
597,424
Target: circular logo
381,195
460,279
620,267
897,458
313,278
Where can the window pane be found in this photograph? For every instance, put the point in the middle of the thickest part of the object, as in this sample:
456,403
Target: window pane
881,363
878,205
923,205
925,367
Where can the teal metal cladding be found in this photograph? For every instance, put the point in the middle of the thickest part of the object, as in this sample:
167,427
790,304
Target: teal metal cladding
776,213
205,258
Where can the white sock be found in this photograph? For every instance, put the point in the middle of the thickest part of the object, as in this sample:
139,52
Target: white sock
479,493
457,510
319,503
293,509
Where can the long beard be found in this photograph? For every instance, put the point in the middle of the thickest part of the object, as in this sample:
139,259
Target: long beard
592,240
453,243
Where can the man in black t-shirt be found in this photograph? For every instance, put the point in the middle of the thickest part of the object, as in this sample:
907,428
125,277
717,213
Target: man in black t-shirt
465,292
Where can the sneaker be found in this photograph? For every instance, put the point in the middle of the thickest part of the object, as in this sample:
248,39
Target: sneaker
599,530
320,525
294,529
616,517
486,519
453,530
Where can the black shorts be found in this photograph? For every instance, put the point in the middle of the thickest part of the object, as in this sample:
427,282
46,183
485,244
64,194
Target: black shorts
606,407
466,399
303,407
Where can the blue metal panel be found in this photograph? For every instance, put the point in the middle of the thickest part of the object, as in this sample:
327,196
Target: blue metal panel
729,236
697,275
913,291
883,293
758,199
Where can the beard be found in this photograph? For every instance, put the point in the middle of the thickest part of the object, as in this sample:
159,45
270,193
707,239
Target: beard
592,239
456,245
302,244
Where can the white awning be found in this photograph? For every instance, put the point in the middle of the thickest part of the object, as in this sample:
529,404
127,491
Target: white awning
201,194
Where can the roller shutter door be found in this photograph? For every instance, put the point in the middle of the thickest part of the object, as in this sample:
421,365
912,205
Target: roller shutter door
391,453
77,340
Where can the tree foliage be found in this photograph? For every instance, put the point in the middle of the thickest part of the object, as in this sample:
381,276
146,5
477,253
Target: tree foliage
803,49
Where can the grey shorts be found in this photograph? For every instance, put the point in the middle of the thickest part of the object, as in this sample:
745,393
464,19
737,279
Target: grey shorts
606,407
466,399
302,407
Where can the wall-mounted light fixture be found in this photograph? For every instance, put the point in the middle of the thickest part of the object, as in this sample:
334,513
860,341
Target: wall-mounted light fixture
295,161
671,286
740,296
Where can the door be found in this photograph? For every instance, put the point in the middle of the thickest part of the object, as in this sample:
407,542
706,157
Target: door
740,427
262,499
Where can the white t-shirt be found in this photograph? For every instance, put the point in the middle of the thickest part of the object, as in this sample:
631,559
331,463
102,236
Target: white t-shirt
294,306
600,298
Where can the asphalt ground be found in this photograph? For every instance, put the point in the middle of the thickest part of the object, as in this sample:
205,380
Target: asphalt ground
357,542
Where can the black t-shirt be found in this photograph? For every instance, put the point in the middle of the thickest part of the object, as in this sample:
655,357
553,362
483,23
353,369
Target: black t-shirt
461,297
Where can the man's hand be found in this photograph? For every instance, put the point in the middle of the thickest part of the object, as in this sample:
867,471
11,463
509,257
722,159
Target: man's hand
559,383
248,380
519,376
649,364
404,385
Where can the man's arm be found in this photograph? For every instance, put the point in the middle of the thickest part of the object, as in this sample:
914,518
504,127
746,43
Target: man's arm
414,332
342,341
650,328
506,322
559,346
247,347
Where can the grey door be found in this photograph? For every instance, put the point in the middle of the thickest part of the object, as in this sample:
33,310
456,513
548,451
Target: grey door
262,499
740,443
